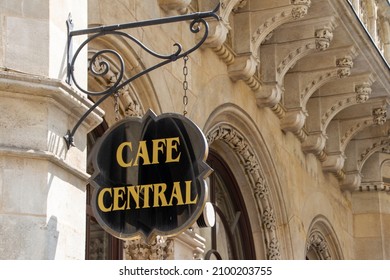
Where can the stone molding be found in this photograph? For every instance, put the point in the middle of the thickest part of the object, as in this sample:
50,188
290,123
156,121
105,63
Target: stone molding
374,187
29,86
238,143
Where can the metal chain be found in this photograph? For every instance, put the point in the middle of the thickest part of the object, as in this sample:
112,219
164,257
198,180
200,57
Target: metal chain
185,85
116,106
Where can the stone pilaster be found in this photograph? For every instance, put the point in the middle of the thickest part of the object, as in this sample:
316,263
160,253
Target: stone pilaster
42,183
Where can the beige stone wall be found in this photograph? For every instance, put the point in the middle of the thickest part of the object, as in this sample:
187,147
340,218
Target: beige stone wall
42,183
302,192
280,78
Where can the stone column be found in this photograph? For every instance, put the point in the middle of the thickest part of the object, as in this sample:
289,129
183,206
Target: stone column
42,183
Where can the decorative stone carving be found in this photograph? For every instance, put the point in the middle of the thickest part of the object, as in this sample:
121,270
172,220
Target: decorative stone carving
273,250
358,126
318,243
160,249
363,92
379,115
374,187
323,38
260,189
334,109
133,110
345,64
240,145
301,9
269,219
376,146
264,26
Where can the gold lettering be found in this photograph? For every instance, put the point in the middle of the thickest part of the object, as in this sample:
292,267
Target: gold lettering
188,194
100,200
143,153
136,197
145,190
133,191
159,195
156,148
176,193
118,194
172,144
119,154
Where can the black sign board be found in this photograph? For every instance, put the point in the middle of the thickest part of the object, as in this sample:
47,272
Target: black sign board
149,176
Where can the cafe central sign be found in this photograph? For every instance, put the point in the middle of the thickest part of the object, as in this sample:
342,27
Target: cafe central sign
149,176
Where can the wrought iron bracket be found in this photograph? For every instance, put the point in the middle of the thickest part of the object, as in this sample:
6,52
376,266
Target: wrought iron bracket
197,21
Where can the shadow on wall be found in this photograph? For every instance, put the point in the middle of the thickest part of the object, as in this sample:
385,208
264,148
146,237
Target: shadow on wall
51,238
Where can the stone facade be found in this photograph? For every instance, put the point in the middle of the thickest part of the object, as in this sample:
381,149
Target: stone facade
291,94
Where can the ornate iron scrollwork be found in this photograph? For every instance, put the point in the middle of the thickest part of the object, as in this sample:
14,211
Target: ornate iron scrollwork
100,68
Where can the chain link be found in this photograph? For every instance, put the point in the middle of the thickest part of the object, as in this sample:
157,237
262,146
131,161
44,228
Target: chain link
185,85
116,106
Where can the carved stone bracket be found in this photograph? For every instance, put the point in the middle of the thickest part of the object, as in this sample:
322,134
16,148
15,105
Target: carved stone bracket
294,121
272,18
334,163
280,55
315,144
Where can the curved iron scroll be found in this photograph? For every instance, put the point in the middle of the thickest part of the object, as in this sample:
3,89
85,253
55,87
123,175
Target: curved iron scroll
197,21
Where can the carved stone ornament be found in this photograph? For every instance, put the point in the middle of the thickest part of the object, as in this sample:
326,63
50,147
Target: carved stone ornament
318,243
345,64
160,249
301,9
379,115
237,142
363,92
323,38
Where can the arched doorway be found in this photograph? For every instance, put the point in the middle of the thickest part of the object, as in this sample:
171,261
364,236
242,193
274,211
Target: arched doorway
231,237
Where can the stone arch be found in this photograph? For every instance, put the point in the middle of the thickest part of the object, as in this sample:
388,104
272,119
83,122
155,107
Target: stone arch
231,132
322,242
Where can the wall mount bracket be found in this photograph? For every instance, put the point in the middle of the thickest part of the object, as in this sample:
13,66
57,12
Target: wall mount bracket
197,21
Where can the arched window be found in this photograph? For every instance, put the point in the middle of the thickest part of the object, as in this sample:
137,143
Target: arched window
231,236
